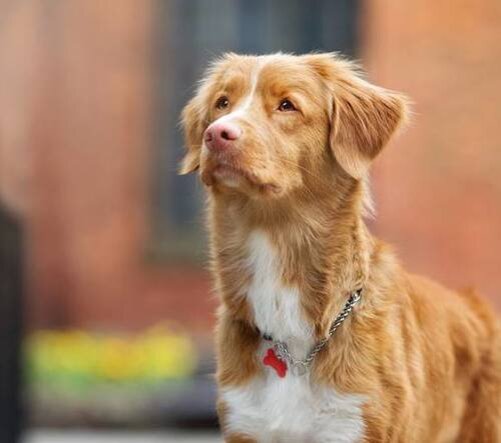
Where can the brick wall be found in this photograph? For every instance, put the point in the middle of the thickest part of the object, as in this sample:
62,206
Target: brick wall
438,186
75,88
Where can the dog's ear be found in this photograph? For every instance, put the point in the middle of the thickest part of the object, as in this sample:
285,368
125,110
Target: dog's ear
192,119
364,119
363,116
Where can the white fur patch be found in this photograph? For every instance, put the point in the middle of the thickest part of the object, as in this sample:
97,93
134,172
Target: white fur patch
277,309
246,102
229,178
290,409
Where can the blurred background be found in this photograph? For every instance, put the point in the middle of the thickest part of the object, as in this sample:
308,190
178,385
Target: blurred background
105,306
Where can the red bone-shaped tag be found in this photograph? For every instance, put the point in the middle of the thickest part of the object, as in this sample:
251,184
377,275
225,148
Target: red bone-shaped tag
276,363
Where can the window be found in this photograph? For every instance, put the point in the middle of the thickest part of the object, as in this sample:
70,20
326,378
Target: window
189,33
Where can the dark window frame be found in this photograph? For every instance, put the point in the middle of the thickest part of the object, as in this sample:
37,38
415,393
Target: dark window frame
189,33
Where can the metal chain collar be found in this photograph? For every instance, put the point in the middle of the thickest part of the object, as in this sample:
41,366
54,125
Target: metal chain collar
300,367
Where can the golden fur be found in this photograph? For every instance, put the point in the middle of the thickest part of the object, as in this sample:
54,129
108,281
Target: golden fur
427,358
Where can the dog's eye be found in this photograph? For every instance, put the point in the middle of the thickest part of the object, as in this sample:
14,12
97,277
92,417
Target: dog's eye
222,102
286,106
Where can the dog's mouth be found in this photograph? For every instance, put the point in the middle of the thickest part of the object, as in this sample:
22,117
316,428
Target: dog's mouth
231,175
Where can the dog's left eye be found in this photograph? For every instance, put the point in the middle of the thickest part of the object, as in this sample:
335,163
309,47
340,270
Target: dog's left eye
222,102
286,106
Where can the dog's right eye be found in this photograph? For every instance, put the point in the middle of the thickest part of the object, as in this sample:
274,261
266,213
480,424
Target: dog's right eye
286,106
222,102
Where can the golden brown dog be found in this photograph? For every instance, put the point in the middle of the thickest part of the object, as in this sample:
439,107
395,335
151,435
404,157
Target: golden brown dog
321,335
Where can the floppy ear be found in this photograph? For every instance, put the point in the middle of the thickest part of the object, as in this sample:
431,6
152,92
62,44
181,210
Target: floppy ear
364,119
364,116
191,121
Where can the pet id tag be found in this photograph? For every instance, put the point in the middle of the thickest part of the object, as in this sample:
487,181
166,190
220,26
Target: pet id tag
271,359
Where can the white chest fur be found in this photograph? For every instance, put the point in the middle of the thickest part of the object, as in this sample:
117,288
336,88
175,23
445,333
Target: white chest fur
293,408
277,309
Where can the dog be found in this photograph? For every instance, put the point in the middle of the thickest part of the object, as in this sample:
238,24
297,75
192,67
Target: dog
321,334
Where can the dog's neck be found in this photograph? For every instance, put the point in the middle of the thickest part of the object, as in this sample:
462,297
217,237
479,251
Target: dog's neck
321,246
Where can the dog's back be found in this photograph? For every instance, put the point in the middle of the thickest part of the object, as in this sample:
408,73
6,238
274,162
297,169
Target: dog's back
458,335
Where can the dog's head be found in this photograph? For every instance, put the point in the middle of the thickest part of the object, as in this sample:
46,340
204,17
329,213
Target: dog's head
266,126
